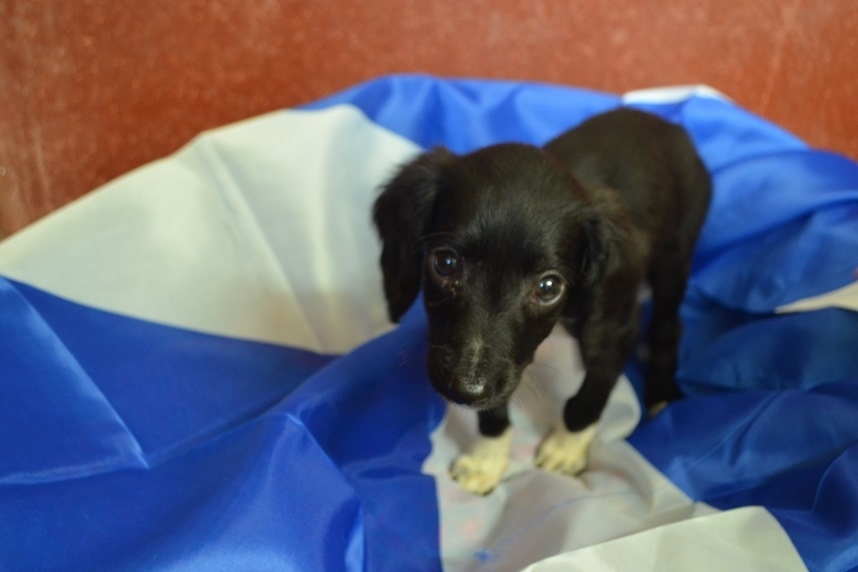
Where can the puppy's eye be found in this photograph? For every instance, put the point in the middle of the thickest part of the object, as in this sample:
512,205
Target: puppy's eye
445,263
549,288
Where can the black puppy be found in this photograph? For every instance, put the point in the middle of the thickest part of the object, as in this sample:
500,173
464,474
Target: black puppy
509,240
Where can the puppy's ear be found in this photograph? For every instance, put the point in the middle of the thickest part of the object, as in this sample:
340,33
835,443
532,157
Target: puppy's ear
402,215
589,243
597,236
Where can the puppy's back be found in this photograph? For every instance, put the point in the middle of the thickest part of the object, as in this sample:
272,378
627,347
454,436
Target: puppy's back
651,163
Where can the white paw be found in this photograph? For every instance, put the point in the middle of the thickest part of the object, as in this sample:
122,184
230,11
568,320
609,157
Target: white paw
480,470
565,452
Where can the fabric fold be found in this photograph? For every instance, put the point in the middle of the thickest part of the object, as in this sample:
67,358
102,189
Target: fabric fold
56,422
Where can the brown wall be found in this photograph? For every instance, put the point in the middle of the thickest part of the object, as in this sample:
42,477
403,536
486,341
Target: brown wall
89,89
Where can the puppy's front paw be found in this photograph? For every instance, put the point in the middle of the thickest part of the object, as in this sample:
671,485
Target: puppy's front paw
480,470
565,452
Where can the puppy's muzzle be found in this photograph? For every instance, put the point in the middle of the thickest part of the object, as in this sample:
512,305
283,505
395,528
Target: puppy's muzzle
459,373
470,387
470,391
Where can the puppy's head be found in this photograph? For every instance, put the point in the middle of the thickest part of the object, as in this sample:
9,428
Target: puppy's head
503,243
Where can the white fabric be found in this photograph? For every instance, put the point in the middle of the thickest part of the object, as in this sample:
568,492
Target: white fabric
845,297
747,538
289,190
672,94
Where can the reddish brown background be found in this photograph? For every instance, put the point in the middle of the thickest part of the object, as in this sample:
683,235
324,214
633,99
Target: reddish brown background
91,89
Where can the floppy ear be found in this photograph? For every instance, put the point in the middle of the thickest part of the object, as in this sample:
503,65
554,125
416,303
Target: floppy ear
589,247
401,215
597,236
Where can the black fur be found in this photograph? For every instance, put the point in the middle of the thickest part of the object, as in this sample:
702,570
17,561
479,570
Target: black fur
509,240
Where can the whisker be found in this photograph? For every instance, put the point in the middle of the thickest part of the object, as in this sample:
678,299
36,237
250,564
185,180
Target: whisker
528,389
407,359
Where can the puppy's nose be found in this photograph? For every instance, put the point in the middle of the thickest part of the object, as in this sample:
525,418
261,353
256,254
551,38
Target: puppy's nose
468,390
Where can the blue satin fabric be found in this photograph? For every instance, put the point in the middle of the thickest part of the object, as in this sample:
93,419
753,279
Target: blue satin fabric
793,451
122,387
134,446
464,115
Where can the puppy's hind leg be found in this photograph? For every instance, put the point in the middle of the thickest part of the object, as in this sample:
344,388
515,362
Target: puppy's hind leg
667,277
481,469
